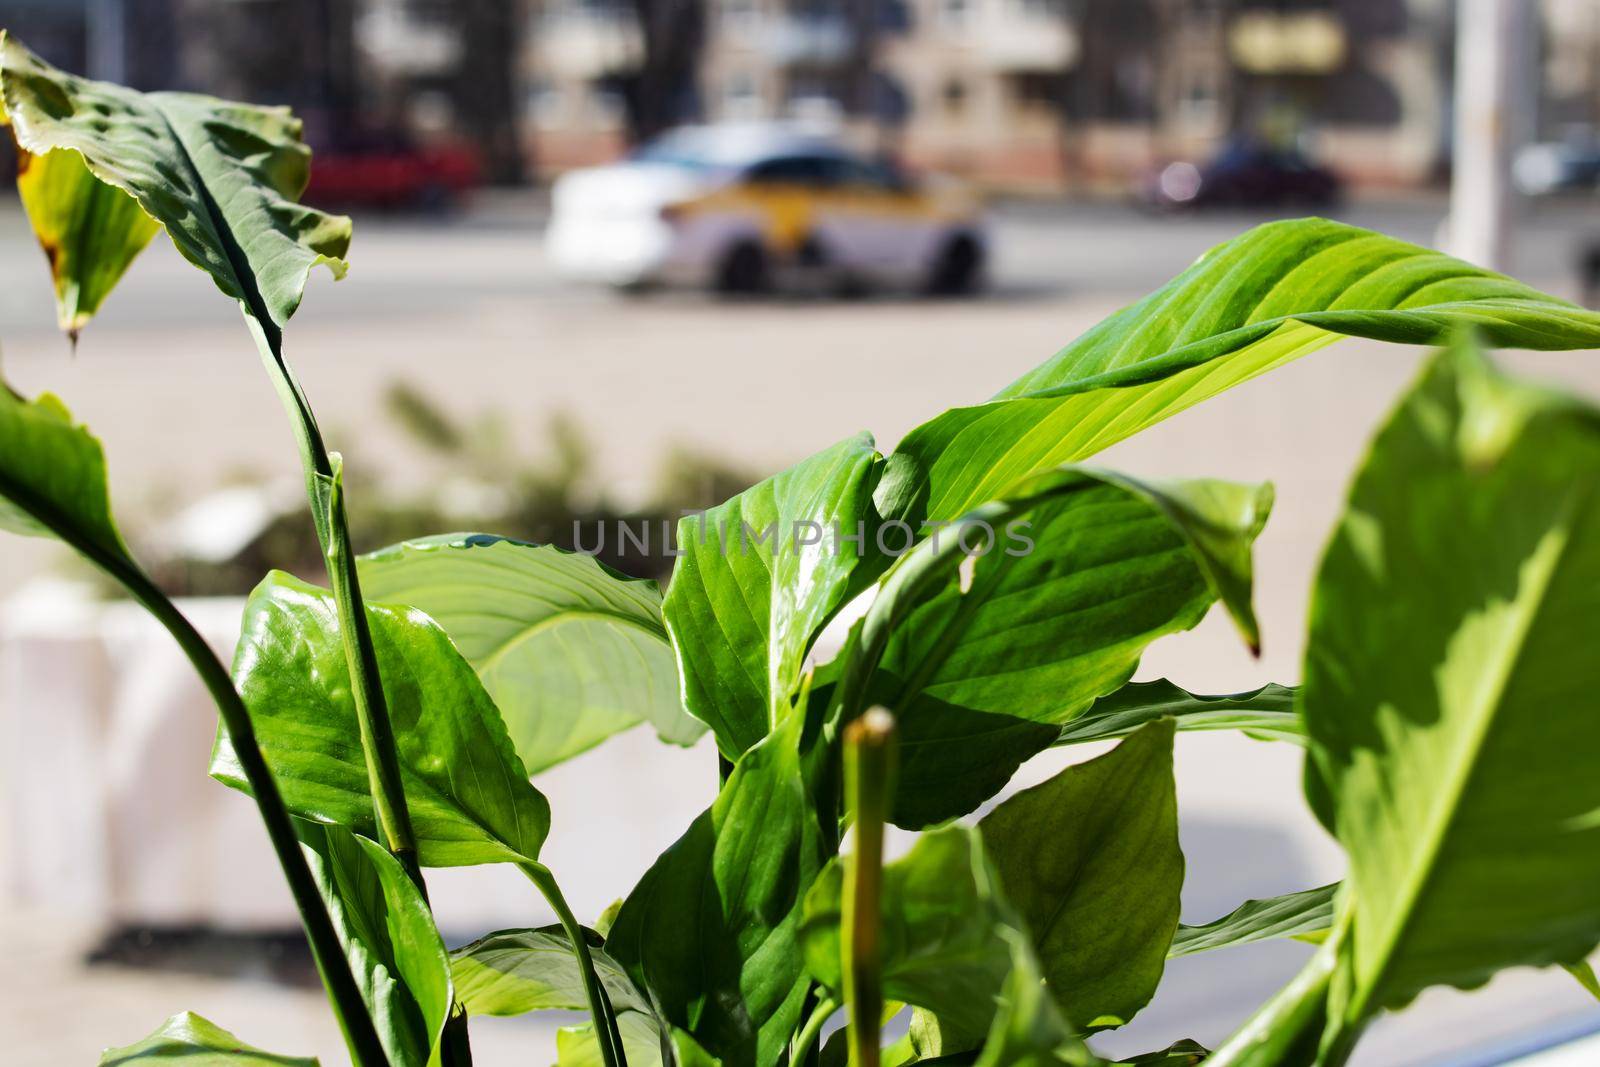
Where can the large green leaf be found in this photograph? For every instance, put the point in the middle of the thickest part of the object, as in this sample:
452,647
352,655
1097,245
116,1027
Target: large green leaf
1267,713
187,1040
1014,645
942,912
220,177
90,232
511,972
469,795
1030,1029
1255,303
570,650
53,476
1090,859
1185,1053
641,1042
758,577
1307,914
389,938
1450,689
713,928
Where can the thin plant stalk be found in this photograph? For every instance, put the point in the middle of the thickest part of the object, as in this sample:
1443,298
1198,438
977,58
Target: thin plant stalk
869,771
806,1039
606,1033
349,1008
1291,1026
325,494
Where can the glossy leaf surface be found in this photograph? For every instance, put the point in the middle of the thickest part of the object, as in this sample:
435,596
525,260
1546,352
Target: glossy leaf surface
187,1040
469,795
1012,647
1450,686
1265,298
1306,914
758,577
1090,859
511,972
713,928
569,650
389,938
1267,713
220,177
53,475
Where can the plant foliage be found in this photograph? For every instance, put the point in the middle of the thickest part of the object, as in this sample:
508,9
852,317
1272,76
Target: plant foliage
390,722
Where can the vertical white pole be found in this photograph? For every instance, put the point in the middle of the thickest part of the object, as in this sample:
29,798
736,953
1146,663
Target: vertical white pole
1493,74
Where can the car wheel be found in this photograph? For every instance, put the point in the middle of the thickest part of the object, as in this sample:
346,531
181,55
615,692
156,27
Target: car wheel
958,269
743,271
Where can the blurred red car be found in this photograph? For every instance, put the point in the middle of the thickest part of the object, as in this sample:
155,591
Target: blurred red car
391,173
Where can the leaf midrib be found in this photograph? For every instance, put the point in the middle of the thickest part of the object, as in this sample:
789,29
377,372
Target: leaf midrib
1442,815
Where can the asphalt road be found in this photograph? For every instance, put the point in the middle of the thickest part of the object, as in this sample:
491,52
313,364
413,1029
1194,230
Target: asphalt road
467,310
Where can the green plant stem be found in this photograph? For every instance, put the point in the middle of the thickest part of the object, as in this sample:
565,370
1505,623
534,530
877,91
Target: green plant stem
344,994
605,1023
326,498
1287,1030
806,1039
869,770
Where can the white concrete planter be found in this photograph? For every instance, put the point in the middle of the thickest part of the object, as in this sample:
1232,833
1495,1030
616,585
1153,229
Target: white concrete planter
108,812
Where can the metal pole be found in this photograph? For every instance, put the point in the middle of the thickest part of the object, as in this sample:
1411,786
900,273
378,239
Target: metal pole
1493,74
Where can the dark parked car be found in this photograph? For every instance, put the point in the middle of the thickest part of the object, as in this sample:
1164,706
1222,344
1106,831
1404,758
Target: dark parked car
1244,174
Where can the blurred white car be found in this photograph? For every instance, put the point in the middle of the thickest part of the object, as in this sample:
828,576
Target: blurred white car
744,208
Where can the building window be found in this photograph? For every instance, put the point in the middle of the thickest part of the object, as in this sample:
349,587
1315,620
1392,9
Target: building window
954,96
741,99
740,16
1037,90
606,104
543,104
955,14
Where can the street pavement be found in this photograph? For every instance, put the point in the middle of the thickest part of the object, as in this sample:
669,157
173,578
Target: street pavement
467,310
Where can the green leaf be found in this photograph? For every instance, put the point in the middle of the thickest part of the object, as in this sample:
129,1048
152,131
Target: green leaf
942,909
713,928
191,1041
511,972
1583,973
1267,714
469,796
1090,859
1185,1053
641,1043
220,177
1030,1029
1012,647
570,651
1449,688
53,476
90,232
749,593
389,938
1265,298
1306,914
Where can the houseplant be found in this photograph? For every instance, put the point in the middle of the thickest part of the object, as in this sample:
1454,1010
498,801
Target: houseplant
388,724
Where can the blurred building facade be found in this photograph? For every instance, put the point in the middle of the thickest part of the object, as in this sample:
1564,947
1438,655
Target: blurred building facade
1012,92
